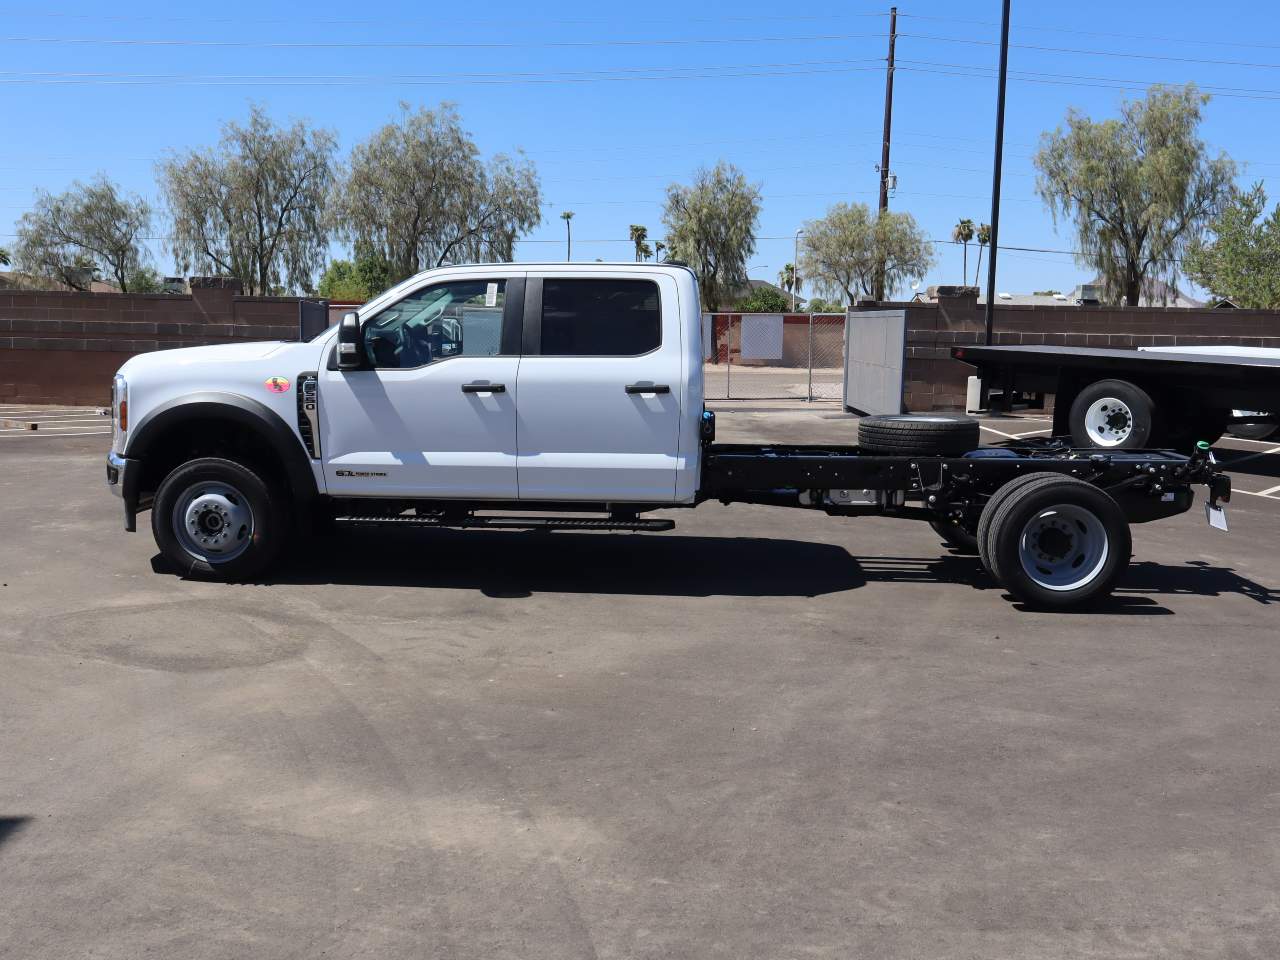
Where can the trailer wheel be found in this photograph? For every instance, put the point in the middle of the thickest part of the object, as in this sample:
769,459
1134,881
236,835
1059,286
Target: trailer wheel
955,535
1251,431
904,435
1059,543
1112,414
216,519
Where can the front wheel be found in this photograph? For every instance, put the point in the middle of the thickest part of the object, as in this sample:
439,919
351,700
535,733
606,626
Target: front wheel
217,519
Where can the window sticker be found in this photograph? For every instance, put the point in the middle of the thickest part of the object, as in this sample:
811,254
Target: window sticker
491,295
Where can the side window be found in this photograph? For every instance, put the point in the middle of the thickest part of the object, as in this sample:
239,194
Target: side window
600,318
458,319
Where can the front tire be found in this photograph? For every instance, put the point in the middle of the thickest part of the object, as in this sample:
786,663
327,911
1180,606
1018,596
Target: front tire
216,519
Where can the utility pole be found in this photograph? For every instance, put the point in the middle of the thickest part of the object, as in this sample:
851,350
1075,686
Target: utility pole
888,133
995,175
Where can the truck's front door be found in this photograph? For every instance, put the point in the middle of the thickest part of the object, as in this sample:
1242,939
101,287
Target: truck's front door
433,414
600,388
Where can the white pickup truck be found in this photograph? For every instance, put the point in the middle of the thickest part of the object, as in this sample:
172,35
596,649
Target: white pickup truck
567,396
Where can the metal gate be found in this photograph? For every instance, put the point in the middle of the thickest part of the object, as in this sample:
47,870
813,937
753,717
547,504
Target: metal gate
770,356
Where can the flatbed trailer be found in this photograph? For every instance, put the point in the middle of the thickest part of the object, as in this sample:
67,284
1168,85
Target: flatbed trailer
1112,398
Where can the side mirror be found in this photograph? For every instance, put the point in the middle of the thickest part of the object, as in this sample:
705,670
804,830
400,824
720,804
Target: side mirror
350,356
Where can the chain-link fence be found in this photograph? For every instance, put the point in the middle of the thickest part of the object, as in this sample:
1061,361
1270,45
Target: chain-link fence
769,356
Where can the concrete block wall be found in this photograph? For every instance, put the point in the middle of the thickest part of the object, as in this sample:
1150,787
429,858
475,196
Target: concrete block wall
60,347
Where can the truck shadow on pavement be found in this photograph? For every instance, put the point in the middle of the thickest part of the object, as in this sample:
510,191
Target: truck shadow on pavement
505,564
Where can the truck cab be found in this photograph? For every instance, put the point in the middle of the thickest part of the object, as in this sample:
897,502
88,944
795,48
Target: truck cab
503,384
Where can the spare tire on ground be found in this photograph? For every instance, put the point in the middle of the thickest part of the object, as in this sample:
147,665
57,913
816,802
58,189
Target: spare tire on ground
935,434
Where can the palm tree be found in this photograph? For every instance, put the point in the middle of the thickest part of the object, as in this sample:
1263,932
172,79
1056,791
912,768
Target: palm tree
568,234
658,247
962,233
639,235
984,237
788,280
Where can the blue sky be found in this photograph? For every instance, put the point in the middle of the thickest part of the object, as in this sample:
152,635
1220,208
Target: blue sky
613,101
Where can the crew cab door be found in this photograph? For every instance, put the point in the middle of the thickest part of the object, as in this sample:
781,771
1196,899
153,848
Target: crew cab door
433,413
600,388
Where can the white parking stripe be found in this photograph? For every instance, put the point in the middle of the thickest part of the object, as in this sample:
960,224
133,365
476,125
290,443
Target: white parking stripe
1252,493
50,434
1270,490
1000,433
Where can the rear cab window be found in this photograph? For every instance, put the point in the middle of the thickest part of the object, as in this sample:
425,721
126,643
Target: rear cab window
600,318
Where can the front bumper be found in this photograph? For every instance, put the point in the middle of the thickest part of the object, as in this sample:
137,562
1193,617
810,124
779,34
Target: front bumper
122,480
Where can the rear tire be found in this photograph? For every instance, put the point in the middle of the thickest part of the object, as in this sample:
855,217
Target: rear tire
1059,543
216,519
905,435
989,512
1112,415
955,536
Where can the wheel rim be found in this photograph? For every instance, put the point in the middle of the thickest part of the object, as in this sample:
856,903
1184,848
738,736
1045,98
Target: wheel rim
213,522
1063,547
1109,422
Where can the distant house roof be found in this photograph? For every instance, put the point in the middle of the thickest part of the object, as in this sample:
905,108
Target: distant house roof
751,286
1172,296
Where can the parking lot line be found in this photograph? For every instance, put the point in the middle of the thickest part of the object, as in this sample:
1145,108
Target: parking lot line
1269,491
19,434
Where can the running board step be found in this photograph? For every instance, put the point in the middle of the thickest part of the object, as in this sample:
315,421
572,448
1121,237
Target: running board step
509,523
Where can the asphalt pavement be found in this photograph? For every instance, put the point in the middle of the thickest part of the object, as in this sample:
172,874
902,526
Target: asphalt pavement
765,734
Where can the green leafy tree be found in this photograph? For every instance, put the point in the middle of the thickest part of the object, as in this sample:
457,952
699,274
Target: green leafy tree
711,225
843,253
984,238
90,231
146,280
639,235
962,233
419,193
765,300
1242,261
818,305
5,257
253,207
1139,188
357,280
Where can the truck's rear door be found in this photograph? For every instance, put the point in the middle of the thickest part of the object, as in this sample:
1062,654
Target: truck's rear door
599,387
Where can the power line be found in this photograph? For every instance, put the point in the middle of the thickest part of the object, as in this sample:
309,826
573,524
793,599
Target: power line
1166,58
444,80
1142,38
429,44
433,21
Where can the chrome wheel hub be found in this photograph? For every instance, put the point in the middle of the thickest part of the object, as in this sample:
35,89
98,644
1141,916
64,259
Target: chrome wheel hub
213,522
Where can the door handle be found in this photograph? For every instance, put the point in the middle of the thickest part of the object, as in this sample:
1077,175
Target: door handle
484,388
647,388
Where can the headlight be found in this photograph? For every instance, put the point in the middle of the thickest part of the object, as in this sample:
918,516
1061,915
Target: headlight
119,411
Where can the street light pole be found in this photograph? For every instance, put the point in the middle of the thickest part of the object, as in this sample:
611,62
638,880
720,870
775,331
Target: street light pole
995,175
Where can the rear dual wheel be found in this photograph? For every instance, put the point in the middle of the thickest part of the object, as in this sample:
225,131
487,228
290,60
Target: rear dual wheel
1054,542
